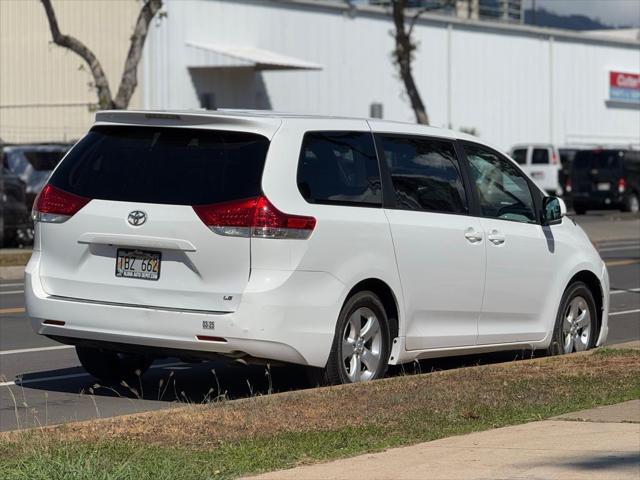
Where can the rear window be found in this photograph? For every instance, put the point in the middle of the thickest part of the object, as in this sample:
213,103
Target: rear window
339,168
540,156
177,166
520,155
601,159
40,159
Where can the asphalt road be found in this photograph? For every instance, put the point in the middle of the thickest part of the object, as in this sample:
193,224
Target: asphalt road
41,382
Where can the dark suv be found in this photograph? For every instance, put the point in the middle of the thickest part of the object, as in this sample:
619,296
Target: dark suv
33,164
15,225
606,178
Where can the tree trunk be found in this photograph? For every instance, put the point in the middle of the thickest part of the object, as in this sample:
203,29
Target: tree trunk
403,55
67,41
129,80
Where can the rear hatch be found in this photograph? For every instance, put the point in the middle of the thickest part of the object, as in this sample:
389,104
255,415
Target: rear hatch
135,238
596,172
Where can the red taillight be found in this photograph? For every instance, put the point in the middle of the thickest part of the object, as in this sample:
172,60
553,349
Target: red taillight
554,158
255,217
228,218
568,187
269,222
53,205
622,185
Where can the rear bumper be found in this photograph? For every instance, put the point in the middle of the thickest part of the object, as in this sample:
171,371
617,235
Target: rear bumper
283,316
598,200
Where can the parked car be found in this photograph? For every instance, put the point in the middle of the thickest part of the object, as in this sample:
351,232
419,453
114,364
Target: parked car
33,163
542,163
341,244
606,178
14,215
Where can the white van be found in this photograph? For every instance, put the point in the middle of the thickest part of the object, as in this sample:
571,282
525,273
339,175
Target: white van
542,163
341,244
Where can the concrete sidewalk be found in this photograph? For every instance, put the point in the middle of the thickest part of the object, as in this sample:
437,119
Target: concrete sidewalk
601,443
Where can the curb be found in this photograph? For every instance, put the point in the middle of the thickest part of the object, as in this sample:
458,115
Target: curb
12,273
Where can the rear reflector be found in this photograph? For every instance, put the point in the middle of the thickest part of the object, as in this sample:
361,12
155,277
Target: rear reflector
207,338
53,205
58,323
256,217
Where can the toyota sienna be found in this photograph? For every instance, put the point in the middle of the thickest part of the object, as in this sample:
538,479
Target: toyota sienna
344,245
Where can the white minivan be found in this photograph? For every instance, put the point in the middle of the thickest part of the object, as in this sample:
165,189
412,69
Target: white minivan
340,244
542,163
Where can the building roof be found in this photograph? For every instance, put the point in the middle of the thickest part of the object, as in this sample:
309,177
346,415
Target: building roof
202,55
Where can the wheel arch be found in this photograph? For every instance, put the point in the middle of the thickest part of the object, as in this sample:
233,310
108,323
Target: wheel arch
387,297
592,281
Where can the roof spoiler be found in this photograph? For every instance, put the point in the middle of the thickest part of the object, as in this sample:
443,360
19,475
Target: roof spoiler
264,125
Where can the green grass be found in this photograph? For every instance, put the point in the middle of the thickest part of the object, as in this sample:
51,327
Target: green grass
403,410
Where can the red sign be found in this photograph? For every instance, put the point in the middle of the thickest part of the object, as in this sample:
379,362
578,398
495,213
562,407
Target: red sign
624,87
624,80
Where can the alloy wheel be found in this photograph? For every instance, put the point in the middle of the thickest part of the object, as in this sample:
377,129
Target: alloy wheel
576,326
361,345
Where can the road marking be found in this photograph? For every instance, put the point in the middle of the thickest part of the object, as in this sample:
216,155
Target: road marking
39,349
2,285
10,292
624,312
619,263
72,375
616,249
7,311
630,290
44,379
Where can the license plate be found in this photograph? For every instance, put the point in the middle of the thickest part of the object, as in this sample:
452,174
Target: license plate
604,186
138,264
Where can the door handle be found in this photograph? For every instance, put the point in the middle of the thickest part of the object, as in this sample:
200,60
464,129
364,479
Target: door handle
496,237
472,235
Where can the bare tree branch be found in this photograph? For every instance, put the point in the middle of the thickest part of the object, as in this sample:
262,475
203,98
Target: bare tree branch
403,52
129,80
67,41
423,10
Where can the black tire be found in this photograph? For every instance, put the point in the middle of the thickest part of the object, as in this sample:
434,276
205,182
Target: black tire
113,367
579,210
631,203
574,291
335,372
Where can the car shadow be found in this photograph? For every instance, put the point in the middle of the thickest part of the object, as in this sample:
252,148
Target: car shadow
170,380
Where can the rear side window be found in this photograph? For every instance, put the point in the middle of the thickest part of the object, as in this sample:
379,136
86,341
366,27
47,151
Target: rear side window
339,168
520,155
178,166
540,156
599,159
424,173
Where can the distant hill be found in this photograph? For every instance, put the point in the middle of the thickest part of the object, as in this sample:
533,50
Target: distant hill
545,18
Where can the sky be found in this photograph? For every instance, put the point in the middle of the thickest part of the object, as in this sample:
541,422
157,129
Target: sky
612,12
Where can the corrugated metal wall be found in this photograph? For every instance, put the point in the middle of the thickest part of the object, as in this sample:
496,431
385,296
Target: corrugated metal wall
44,89
511,84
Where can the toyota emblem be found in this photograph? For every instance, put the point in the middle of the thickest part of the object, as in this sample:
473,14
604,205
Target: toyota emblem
137,218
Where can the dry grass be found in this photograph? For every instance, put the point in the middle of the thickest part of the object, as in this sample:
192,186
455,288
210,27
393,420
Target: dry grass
15,259
447,396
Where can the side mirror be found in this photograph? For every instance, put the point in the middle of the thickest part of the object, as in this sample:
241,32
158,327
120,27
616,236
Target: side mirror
553,209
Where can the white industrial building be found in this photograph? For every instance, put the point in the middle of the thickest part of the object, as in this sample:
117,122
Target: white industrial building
477,67
508,82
